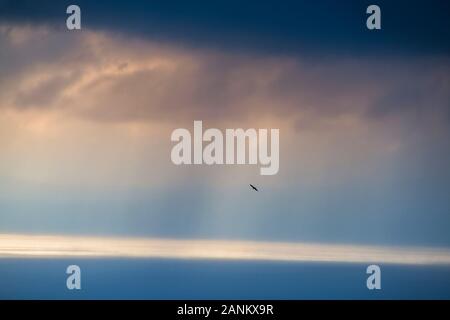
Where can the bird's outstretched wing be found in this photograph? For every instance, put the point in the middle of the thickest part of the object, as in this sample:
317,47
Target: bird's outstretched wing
253,187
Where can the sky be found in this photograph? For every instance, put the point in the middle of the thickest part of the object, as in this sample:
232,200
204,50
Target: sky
364,119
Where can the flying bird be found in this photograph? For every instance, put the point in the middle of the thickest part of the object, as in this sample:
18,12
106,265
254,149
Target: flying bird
253,187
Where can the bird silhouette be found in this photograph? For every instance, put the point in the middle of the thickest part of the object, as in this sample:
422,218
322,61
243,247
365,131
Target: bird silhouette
253,187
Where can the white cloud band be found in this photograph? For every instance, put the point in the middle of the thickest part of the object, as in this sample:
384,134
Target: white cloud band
41,246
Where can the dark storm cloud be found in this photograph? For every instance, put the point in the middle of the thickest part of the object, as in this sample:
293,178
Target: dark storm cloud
333,64
322,27
113,78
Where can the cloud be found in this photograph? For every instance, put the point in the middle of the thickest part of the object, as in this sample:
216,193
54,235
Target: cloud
85,121
97,93
39,246
107,77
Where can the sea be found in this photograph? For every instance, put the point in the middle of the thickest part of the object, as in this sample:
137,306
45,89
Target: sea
108,278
